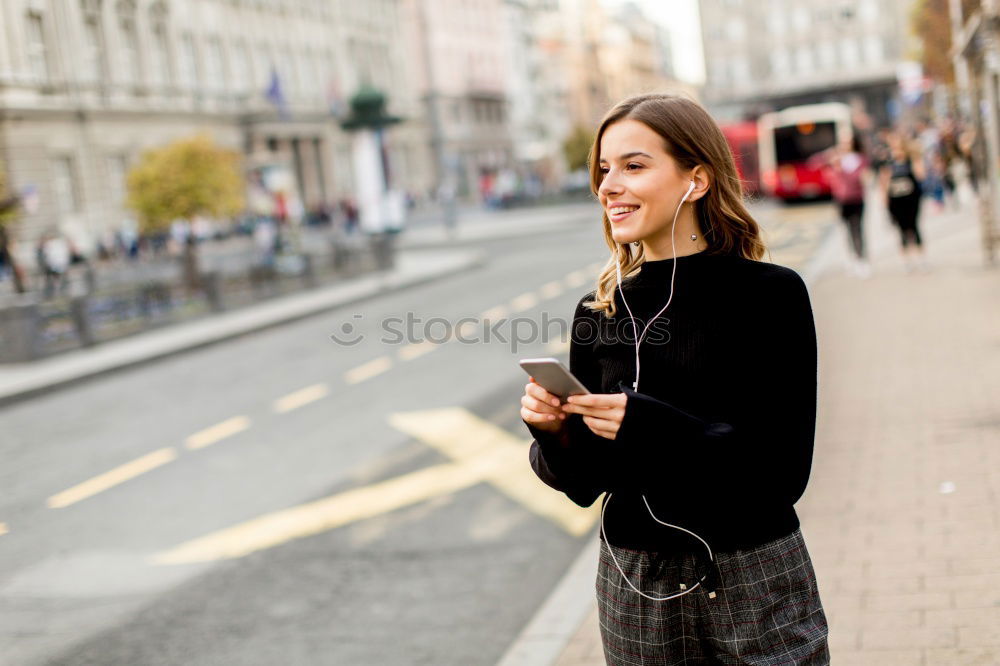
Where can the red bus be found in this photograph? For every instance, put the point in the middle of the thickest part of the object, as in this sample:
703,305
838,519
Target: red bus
788,138
742,140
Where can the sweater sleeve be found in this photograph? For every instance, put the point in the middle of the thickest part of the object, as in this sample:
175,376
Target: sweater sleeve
568,461
764,447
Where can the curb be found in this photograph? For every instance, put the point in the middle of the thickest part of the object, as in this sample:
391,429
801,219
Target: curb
548,633
31,379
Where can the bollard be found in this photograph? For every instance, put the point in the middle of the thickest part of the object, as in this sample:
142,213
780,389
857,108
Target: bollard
210,285
79,309
19,329
308,272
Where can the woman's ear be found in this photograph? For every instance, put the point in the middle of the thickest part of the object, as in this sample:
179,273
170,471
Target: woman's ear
702,181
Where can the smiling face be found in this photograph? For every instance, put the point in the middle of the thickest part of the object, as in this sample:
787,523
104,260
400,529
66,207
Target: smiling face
642,184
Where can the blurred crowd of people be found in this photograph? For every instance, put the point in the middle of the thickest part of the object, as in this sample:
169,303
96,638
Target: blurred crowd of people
909,164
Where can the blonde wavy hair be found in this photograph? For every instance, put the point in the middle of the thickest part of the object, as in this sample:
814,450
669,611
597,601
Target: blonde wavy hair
692,138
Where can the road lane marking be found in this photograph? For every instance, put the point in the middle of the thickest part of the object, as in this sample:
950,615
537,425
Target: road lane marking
481,452
412,351
551,289
524,302
301,398
464,437
273,529
467,330
112,478
217,433
3,528
493,314
368,370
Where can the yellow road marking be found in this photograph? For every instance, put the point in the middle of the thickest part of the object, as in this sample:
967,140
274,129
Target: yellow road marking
499,312
112,478
551,289
576,279
3,528
468,330
301,398
305,520
412,351
217,433
524,302
463,436
368,370
481,451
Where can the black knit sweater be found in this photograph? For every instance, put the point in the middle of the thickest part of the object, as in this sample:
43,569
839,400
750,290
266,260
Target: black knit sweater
720,435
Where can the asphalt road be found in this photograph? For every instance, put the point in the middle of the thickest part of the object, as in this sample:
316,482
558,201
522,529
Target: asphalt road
285,499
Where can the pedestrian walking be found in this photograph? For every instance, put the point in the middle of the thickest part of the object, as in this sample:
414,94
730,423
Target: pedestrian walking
702,458
848,172
900,183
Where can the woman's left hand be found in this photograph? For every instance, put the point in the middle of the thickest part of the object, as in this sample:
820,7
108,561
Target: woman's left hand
602,412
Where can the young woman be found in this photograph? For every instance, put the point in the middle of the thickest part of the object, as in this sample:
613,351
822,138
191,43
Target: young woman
900,179
703,453
848,171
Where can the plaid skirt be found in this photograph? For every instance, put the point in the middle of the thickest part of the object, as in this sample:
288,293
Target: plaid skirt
766,608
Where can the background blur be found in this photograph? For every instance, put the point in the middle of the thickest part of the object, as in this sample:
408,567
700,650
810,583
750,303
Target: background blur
216,216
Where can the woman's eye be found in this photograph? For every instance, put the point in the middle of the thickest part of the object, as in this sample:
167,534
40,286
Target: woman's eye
633,166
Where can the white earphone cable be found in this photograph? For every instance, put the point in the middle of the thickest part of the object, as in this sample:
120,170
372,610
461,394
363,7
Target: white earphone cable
635,387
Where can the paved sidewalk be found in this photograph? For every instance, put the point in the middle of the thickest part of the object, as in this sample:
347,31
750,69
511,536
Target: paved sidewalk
902,515
22,380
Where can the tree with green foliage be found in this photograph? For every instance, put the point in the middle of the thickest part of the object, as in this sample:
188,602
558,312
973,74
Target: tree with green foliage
184,179
576,148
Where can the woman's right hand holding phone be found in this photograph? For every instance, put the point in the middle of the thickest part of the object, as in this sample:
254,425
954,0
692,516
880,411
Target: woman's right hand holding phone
542,409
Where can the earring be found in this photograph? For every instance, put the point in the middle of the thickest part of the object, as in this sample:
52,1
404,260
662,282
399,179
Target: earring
637,243
694,237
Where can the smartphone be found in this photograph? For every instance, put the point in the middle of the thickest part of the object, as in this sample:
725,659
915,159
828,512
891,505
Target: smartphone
553,376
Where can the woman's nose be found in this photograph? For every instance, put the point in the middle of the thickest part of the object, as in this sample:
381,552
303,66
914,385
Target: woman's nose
609,185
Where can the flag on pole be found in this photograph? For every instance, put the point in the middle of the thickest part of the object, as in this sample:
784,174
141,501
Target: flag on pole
275,95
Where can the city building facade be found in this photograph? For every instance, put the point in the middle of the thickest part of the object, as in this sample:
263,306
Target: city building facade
87,85
770,54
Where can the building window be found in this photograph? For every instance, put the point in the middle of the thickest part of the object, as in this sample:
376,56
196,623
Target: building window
38,53
804,60
215,66
874,52
827,55
65,185
779,62
117,173
159,69
868,11
189,63
241,67
129,52
93,49
849,52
